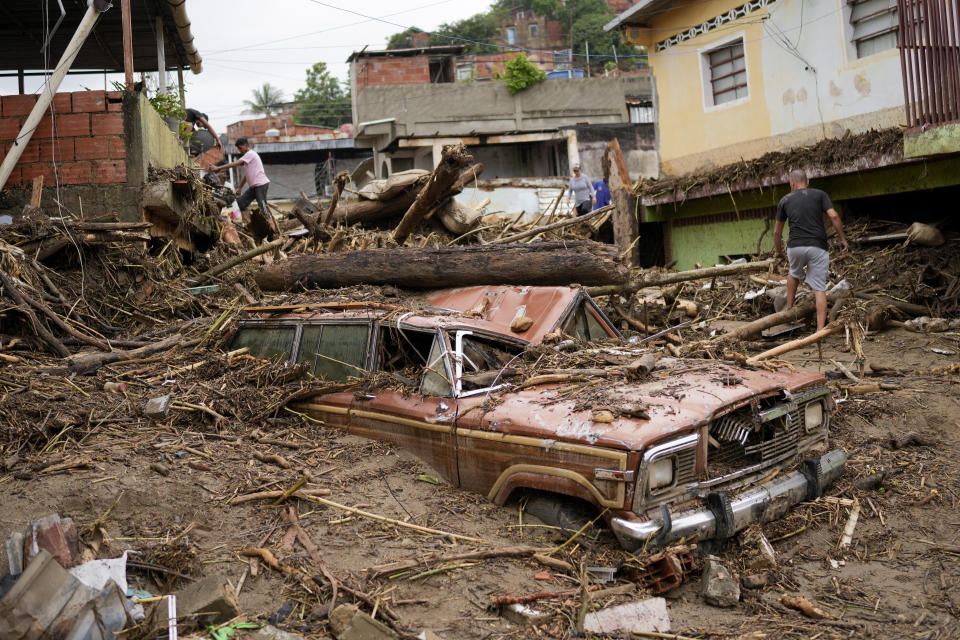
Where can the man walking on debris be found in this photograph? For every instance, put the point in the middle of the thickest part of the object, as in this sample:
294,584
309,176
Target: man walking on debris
254,175
581,191
807,245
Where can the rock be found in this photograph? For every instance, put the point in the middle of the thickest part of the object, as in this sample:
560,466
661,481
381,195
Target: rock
426,634
363,627
523,614
15,552
521,324
755,580
157,407
341,616
645,616
720,588
208,601
270,632
759,553
56,535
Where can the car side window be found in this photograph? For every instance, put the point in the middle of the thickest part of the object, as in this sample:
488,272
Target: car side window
341,351
436,376
267,343
583,325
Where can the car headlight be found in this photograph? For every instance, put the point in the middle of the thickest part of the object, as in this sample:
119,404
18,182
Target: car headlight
813,416
660,473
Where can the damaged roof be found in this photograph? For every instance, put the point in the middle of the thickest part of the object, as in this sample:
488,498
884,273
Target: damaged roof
25,24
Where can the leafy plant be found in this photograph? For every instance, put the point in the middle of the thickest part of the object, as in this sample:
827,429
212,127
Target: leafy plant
168,105
266,100
520,73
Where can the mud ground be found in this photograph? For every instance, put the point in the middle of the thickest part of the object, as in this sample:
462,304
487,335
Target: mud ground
900,577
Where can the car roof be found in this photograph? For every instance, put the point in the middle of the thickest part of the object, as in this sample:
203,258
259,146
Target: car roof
490,309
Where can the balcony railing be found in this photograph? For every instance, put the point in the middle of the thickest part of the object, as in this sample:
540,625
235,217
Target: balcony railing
929,40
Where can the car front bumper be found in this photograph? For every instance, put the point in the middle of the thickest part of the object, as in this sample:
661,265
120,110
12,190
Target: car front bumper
725,516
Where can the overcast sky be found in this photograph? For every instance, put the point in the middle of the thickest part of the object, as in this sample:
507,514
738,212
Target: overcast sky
245,43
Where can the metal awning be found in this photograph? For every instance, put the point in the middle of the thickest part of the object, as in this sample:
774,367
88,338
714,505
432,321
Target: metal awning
638,15
24,25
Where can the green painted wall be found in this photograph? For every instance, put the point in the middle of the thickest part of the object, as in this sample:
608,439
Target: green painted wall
160,145
944,138
707,243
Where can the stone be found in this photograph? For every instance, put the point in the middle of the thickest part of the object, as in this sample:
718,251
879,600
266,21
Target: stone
720,588
207,601
270,632
755,580
56,535
644,616
15,552
341,616
157,407
523,614
363,627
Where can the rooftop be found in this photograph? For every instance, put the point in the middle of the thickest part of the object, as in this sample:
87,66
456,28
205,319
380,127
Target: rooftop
444,49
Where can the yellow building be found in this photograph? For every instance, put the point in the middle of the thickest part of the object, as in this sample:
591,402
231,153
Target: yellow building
735,80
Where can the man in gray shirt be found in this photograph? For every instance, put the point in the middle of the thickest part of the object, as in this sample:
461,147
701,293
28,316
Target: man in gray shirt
807,245
581,191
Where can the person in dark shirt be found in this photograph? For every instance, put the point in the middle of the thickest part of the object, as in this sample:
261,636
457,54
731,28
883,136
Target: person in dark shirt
199,119
807,245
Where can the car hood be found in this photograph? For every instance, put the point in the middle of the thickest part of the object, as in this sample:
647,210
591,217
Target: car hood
678,397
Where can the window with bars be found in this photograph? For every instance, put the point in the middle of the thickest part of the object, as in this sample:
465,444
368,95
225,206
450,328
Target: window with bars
728,72
874,25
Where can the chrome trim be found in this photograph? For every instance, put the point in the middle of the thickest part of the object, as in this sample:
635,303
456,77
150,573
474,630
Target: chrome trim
616,475
655,453
658,451
764,503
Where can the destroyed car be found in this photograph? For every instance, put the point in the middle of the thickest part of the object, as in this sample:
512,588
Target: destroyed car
692,449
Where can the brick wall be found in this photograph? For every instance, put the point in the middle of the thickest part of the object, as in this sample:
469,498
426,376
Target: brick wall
256,128
381,71
88,147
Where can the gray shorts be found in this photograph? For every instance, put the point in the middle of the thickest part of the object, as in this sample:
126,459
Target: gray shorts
810,264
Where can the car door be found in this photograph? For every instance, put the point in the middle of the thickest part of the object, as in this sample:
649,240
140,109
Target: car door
421,421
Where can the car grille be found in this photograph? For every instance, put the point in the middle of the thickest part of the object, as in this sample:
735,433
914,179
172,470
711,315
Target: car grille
744,442
686,466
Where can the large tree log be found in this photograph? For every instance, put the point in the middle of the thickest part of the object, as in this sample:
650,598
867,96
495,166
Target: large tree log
544,263
794,314
444,176
658,278
367,211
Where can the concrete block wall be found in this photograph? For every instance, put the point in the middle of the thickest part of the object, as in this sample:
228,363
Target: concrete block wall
79,142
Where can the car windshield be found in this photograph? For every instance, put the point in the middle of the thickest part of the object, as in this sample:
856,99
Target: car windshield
584,324
415,358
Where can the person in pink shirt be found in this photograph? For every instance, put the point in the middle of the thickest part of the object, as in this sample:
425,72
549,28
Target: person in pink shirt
253,175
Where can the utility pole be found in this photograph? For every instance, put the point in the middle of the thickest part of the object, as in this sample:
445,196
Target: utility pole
587,43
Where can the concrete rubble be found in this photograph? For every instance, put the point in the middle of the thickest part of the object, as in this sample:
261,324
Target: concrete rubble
644,616
720,587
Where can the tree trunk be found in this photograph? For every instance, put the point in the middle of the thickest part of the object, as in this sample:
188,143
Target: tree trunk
658,278
367,211
544,263
751,329
444,176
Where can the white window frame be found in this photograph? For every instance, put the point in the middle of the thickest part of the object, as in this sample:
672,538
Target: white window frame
511,31
533,29
706,85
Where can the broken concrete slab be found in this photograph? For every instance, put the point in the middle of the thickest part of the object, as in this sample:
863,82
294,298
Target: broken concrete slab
645,616
55,534
15,553
207,601
157,408
341,616
270,632
363,627
720,588
758,552
755,580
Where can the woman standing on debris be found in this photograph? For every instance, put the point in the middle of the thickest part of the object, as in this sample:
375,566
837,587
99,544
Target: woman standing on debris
581,191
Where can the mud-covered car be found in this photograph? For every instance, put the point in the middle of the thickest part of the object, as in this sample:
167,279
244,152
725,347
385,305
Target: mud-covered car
693,449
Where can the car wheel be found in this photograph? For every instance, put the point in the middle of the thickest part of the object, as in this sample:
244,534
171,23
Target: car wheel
569,514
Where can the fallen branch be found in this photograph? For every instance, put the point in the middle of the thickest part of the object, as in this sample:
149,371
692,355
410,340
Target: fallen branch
556,225
444,176
413,563
754,328
243,257
499,601
396,523
42,332
795,344
657,278
90,362
804,606
272,495
278,460
639,326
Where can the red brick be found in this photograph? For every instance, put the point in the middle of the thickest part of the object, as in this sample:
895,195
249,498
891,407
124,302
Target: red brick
76,173
106,124
94,148
9,128
107,171
15,176
62,103
44,129
118,147
57,536
61,149
18,105
89,101
30,171
31,152
73,124
114,101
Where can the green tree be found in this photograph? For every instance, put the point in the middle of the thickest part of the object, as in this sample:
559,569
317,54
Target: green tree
520,73
266,100
323,100
476,33
404,39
